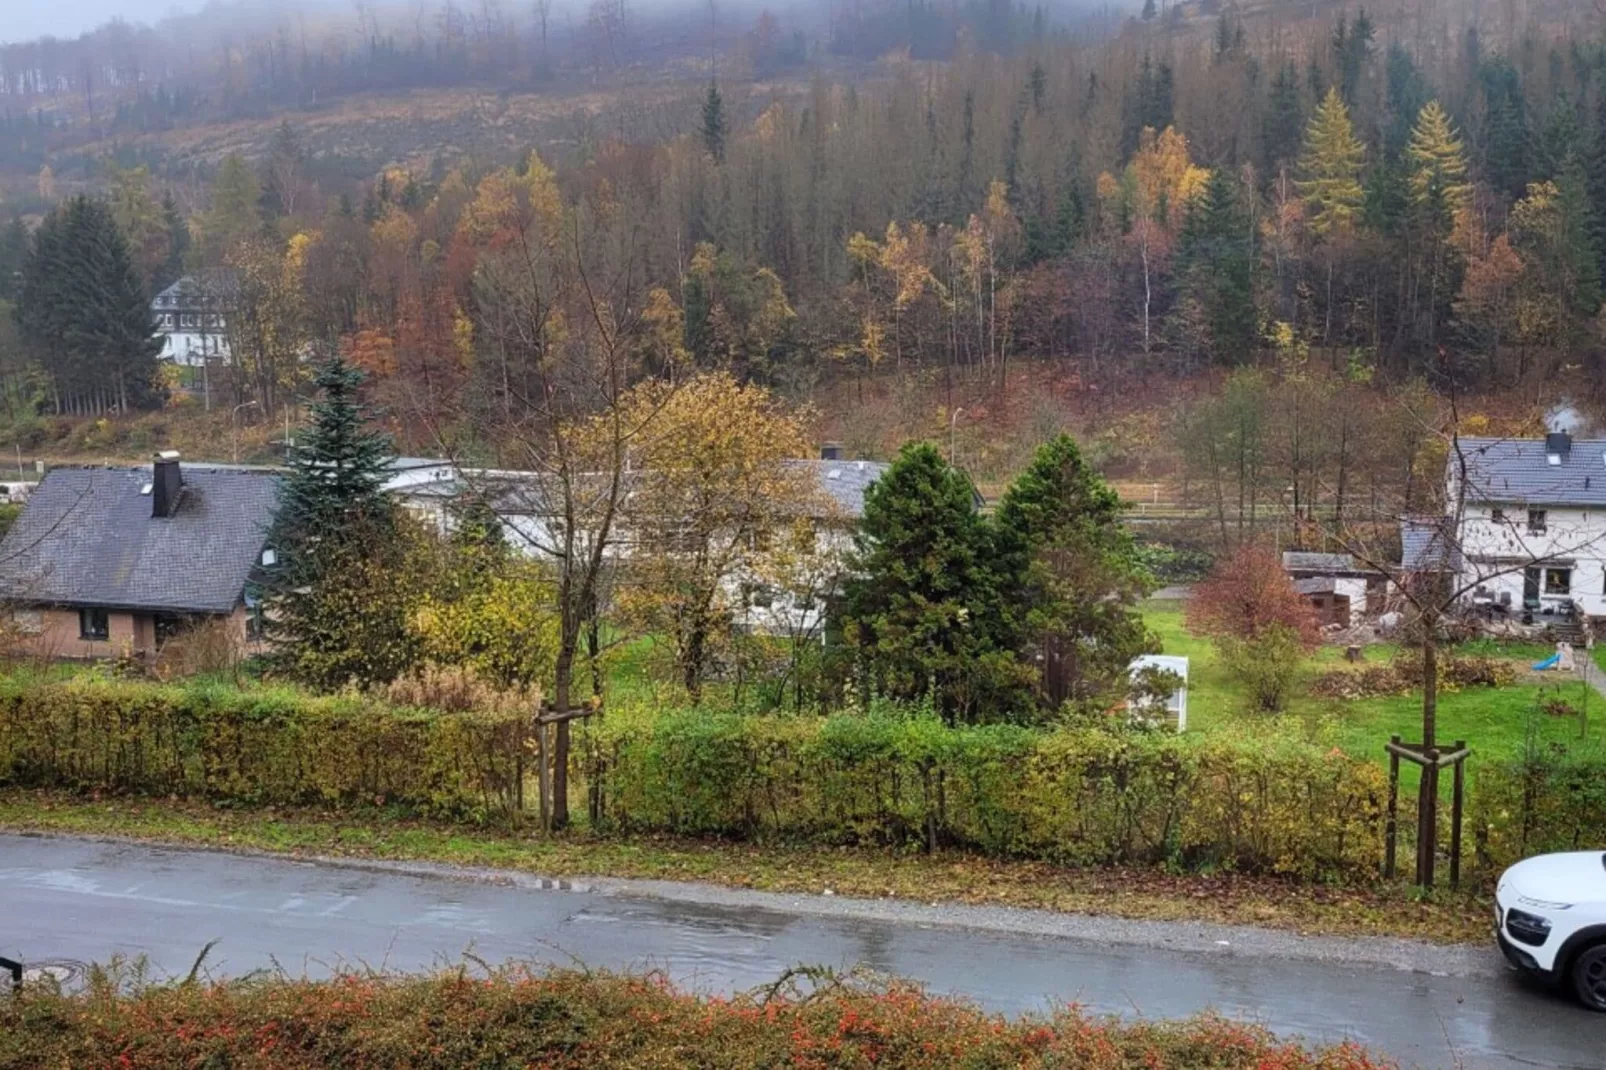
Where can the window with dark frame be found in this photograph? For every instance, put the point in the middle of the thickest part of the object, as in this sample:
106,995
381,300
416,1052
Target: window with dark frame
1497,515
1536,521
94,625
1558,581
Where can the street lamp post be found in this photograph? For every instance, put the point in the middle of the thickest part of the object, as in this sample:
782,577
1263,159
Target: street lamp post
234,428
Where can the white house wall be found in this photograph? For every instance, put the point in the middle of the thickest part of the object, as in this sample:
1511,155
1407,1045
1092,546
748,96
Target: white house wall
1498,552
191,348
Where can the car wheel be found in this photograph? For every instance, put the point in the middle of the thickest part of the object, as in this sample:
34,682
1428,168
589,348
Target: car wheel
1589,977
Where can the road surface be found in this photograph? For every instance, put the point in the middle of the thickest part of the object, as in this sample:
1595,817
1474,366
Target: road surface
69,900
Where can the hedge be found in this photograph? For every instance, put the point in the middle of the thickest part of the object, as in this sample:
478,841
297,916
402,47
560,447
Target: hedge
1551,800
265,748
576,1021
1274,804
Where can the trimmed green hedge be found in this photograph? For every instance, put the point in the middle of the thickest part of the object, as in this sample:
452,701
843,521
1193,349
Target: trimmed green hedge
1551,801
1274,804
258,747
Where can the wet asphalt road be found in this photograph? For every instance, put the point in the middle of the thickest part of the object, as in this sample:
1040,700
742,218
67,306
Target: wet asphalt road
77,901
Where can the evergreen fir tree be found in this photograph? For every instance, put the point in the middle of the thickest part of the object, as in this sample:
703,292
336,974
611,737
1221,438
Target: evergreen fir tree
335,537
1352,49
1406,94
1330,164
1560,139
1150,10
13,255
923,606
1037,85
1284,120
1217,268
1387,200
1595,177
1073,577
1506,139
714,128
1148,104
84,313
178,246
1577,241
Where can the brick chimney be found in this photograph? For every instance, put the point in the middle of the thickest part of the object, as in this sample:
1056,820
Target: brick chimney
166,484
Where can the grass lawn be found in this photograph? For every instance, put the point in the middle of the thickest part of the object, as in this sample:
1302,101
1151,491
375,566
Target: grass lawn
1495,722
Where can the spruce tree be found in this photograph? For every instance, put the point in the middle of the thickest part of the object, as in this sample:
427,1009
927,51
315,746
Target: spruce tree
1073,577
13,255
1217,268
1352,49
178,246
332,611
923,606
1330,166
1405,95
1577,244
84,314
714,127
1595,176
1507,149
1285,119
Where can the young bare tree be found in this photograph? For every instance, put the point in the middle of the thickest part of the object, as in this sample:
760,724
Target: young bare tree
1458,545
571,323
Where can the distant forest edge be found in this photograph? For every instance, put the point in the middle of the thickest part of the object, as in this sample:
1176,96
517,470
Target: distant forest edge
931,192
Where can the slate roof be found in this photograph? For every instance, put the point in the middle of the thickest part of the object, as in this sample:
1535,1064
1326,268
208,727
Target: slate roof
87,538
206,290
1327,564
1424,546
845,481
517,493
1516,470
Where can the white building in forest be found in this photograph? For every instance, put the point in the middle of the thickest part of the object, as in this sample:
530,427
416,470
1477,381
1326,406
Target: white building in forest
190,316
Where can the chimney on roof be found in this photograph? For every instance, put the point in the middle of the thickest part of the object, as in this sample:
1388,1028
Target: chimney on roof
166,485
1558,444
831,451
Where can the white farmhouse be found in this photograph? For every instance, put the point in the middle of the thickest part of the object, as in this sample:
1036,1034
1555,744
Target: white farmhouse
1532,537
191,317
526,504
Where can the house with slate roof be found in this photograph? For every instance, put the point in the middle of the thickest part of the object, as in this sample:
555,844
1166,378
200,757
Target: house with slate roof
524,504
110,561
1532,536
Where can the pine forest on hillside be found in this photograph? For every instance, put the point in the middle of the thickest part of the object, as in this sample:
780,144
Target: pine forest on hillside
1319,217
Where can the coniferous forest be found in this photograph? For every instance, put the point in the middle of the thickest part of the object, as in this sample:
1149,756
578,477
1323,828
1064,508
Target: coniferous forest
945,197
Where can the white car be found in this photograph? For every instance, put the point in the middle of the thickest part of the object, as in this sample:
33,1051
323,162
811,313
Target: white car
1550,917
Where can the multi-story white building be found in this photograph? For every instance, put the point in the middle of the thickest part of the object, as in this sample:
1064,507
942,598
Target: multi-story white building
1532,528
190,314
